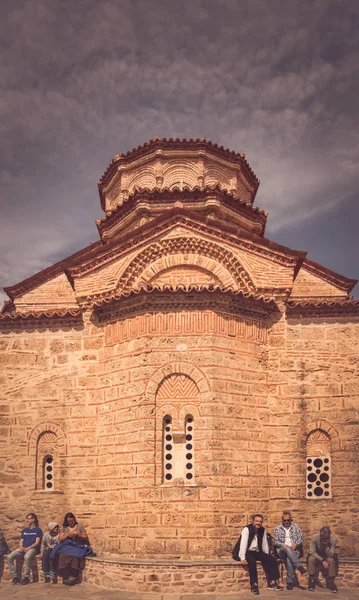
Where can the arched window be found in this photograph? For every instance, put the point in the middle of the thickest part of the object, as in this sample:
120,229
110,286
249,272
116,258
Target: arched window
46,461
318,466
178,451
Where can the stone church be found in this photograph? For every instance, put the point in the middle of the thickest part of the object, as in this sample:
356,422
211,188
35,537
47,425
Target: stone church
178,375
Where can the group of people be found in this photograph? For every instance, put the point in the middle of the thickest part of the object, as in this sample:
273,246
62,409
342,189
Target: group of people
63,552
255,544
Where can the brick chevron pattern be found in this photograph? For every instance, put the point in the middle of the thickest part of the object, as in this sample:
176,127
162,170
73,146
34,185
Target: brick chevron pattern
178,387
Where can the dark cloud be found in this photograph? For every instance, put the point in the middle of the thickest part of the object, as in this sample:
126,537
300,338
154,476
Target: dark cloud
83,81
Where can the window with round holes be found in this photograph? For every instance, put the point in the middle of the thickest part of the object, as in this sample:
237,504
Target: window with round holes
318,478
178,451
48,473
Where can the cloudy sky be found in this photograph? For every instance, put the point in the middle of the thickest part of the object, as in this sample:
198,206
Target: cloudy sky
83,80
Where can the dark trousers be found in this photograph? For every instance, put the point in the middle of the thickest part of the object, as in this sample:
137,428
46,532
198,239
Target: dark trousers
269,564
47,564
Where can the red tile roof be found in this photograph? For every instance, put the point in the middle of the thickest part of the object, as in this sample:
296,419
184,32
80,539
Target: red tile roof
332,277
322,306
41,314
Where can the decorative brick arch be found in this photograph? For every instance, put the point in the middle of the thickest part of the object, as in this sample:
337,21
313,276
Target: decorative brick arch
186,246
42,428
320,425
179,368
180,174
176,390
192,268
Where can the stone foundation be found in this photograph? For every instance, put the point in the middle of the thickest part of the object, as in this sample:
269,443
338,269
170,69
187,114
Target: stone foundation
185,577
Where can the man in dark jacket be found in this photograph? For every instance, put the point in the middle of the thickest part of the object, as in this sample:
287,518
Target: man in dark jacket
252,546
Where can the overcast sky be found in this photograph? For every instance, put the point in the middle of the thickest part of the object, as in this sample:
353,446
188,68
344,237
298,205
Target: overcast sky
83,80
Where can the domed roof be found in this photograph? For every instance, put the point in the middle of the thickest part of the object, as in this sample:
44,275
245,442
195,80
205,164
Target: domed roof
176,163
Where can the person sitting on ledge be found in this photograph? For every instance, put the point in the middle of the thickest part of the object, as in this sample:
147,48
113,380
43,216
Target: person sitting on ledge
288,541
252,546
29,547
322,555
73,547
49,541
4,550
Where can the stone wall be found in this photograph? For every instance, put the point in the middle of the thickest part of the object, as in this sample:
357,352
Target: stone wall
313,384
259,394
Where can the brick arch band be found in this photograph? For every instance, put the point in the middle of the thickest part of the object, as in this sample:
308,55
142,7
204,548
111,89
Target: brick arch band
177,368
184,246
46,427
320,425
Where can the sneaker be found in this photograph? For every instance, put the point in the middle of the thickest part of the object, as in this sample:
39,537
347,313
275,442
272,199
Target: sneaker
25,581
44,574
254,589
275,586
15,580
290,586
65,581
311,585
71,581
302,570
334,589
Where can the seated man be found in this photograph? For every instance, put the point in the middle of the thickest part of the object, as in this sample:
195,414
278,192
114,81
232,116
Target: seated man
322,554
29,546
252,546
288,541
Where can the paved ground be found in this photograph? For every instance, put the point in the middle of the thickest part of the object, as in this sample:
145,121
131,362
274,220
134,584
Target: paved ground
43,591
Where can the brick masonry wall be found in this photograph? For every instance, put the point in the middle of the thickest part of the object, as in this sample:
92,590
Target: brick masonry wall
257,400
313,382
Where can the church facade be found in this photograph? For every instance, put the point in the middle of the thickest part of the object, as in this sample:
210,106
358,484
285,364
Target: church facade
181,373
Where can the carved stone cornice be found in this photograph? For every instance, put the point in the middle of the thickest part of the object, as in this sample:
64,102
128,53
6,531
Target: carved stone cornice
167,298
150,203
323,307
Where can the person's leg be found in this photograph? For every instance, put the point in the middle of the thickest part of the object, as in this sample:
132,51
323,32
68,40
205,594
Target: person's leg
312,563
331,574
292,562
270,566
29,557
10,561
282,553
251,559
46,563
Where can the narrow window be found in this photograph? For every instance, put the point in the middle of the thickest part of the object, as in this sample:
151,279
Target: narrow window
168,449
318,466
48,473
178,451
47,459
